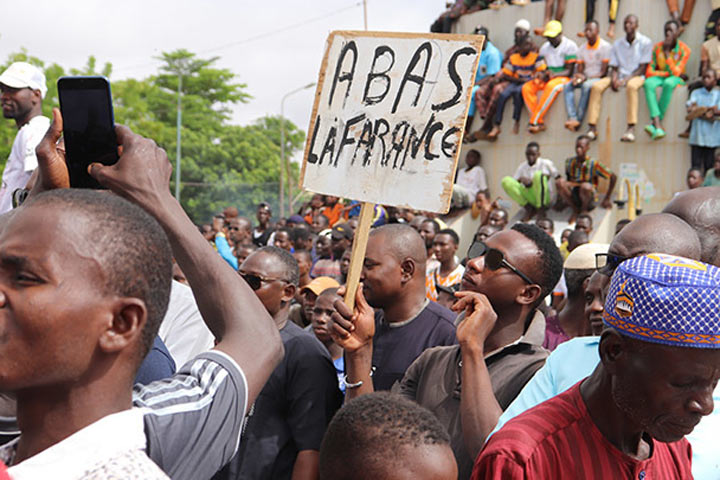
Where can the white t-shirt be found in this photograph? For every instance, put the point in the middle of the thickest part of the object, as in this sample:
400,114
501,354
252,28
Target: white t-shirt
544,165
22,160
555,57
594,57
474,180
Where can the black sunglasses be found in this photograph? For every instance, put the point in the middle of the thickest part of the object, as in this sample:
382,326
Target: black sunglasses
606,263
256,281
494,259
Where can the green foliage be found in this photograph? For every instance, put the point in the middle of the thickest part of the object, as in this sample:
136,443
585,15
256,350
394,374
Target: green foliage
222,164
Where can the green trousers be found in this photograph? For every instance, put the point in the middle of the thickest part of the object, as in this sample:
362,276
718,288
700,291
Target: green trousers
668,84
536,194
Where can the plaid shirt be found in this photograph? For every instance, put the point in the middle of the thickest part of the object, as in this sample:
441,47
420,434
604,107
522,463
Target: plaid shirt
588,171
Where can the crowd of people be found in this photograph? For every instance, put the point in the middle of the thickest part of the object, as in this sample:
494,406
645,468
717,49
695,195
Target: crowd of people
136,344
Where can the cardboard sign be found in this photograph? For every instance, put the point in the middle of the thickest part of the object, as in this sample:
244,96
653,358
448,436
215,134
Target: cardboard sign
388,117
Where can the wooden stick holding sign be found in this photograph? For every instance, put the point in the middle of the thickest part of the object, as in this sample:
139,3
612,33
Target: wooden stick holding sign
387,124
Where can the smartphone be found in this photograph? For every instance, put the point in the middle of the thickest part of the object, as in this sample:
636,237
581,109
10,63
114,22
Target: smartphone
88,126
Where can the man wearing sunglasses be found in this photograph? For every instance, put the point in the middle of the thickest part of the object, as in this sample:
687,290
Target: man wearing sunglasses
467,385
285,426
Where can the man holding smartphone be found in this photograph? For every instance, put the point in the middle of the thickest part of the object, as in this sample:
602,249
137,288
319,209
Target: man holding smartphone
22,88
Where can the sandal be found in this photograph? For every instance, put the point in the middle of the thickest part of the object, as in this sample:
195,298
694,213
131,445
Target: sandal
628,137
650,130
659,133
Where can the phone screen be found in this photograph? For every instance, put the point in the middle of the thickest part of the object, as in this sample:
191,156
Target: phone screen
88,126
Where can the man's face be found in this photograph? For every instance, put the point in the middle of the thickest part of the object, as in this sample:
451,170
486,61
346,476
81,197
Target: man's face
339,245
584,224
323,246
308,303
591,32
282,240
694,179
316,201
665,390
532,154
207,232
472,159
502,285
630,25
709,78
545,225
17,102
242,253
595,291
238,230
444,247
519,35
497,218
381,274
484,233
671,33
345,262
303,264
263,215
319,223
427,232
53,305
321,313
581,148
274,292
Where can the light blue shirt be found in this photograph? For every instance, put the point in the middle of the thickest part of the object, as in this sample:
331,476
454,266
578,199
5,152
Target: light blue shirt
705,133
489,63
223,248
574,360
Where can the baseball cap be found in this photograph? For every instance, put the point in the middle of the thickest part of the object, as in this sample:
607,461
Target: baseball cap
342,231
24,75
320,284
665,299
552,29
583,257
296,219
522,23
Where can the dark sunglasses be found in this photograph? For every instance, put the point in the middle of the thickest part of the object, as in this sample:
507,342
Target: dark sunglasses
494,259
606,263
256,281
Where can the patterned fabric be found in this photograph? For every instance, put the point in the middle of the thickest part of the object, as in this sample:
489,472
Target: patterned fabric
673,65
131,465
666,299
588,171
523,67
433,278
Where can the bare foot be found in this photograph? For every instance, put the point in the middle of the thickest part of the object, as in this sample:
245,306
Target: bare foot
494,133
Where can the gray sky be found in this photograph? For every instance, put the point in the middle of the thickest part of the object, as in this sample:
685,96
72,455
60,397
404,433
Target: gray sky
130,33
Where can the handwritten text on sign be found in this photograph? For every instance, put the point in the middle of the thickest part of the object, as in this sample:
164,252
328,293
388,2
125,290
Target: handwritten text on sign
388,117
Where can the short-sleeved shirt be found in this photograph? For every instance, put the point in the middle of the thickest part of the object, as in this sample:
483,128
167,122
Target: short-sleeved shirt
588,171
193,419
474,180
544,165
291,412
516,49
710,52
22,160
594,57
556,57
705,133
434,381
489,63
559,439
627,57
710,179
433,279
525,67
396,346
158,364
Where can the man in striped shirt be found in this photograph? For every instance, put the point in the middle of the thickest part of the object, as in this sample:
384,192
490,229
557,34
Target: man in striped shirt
659,364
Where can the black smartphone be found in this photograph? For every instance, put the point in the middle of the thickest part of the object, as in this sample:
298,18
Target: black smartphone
88,126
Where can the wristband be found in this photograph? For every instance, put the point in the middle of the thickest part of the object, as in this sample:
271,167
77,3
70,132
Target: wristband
358,384
19,196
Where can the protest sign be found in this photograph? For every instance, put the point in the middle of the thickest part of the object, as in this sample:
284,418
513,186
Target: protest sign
388,117
387,122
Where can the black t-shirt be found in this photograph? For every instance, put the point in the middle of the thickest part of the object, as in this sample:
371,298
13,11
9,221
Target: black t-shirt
291,413
395,348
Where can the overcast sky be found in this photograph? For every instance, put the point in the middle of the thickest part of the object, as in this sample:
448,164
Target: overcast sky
273,47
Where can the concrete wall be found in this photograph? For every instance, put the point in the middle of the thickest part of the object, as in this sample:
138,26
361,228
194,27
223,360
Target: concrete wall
665,161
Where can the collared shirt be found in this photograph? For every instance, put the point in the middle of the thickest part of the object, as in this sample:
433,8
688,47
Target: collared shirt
588,171
112,447
544,165
668,65
434,381
705,133
395,348
594,57
433,278
576,359
489,63
627,57
22,160
559,439
524,67
557,57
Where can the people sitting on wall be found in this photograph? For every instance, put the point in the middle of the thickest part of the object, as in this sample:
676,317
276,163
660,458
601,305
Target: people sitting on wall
531,185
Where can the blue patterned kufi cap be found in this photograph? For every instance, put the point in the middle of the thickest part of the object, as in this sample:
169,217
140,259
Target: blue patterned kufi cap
666,299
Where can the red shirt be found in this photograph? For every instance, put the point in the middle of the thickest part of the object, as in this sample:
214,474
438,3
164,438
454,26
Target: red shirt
558,439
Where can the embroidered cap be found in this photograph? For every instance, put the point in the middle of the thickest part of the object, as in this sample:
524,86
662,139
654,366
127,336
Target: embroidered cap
666,299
